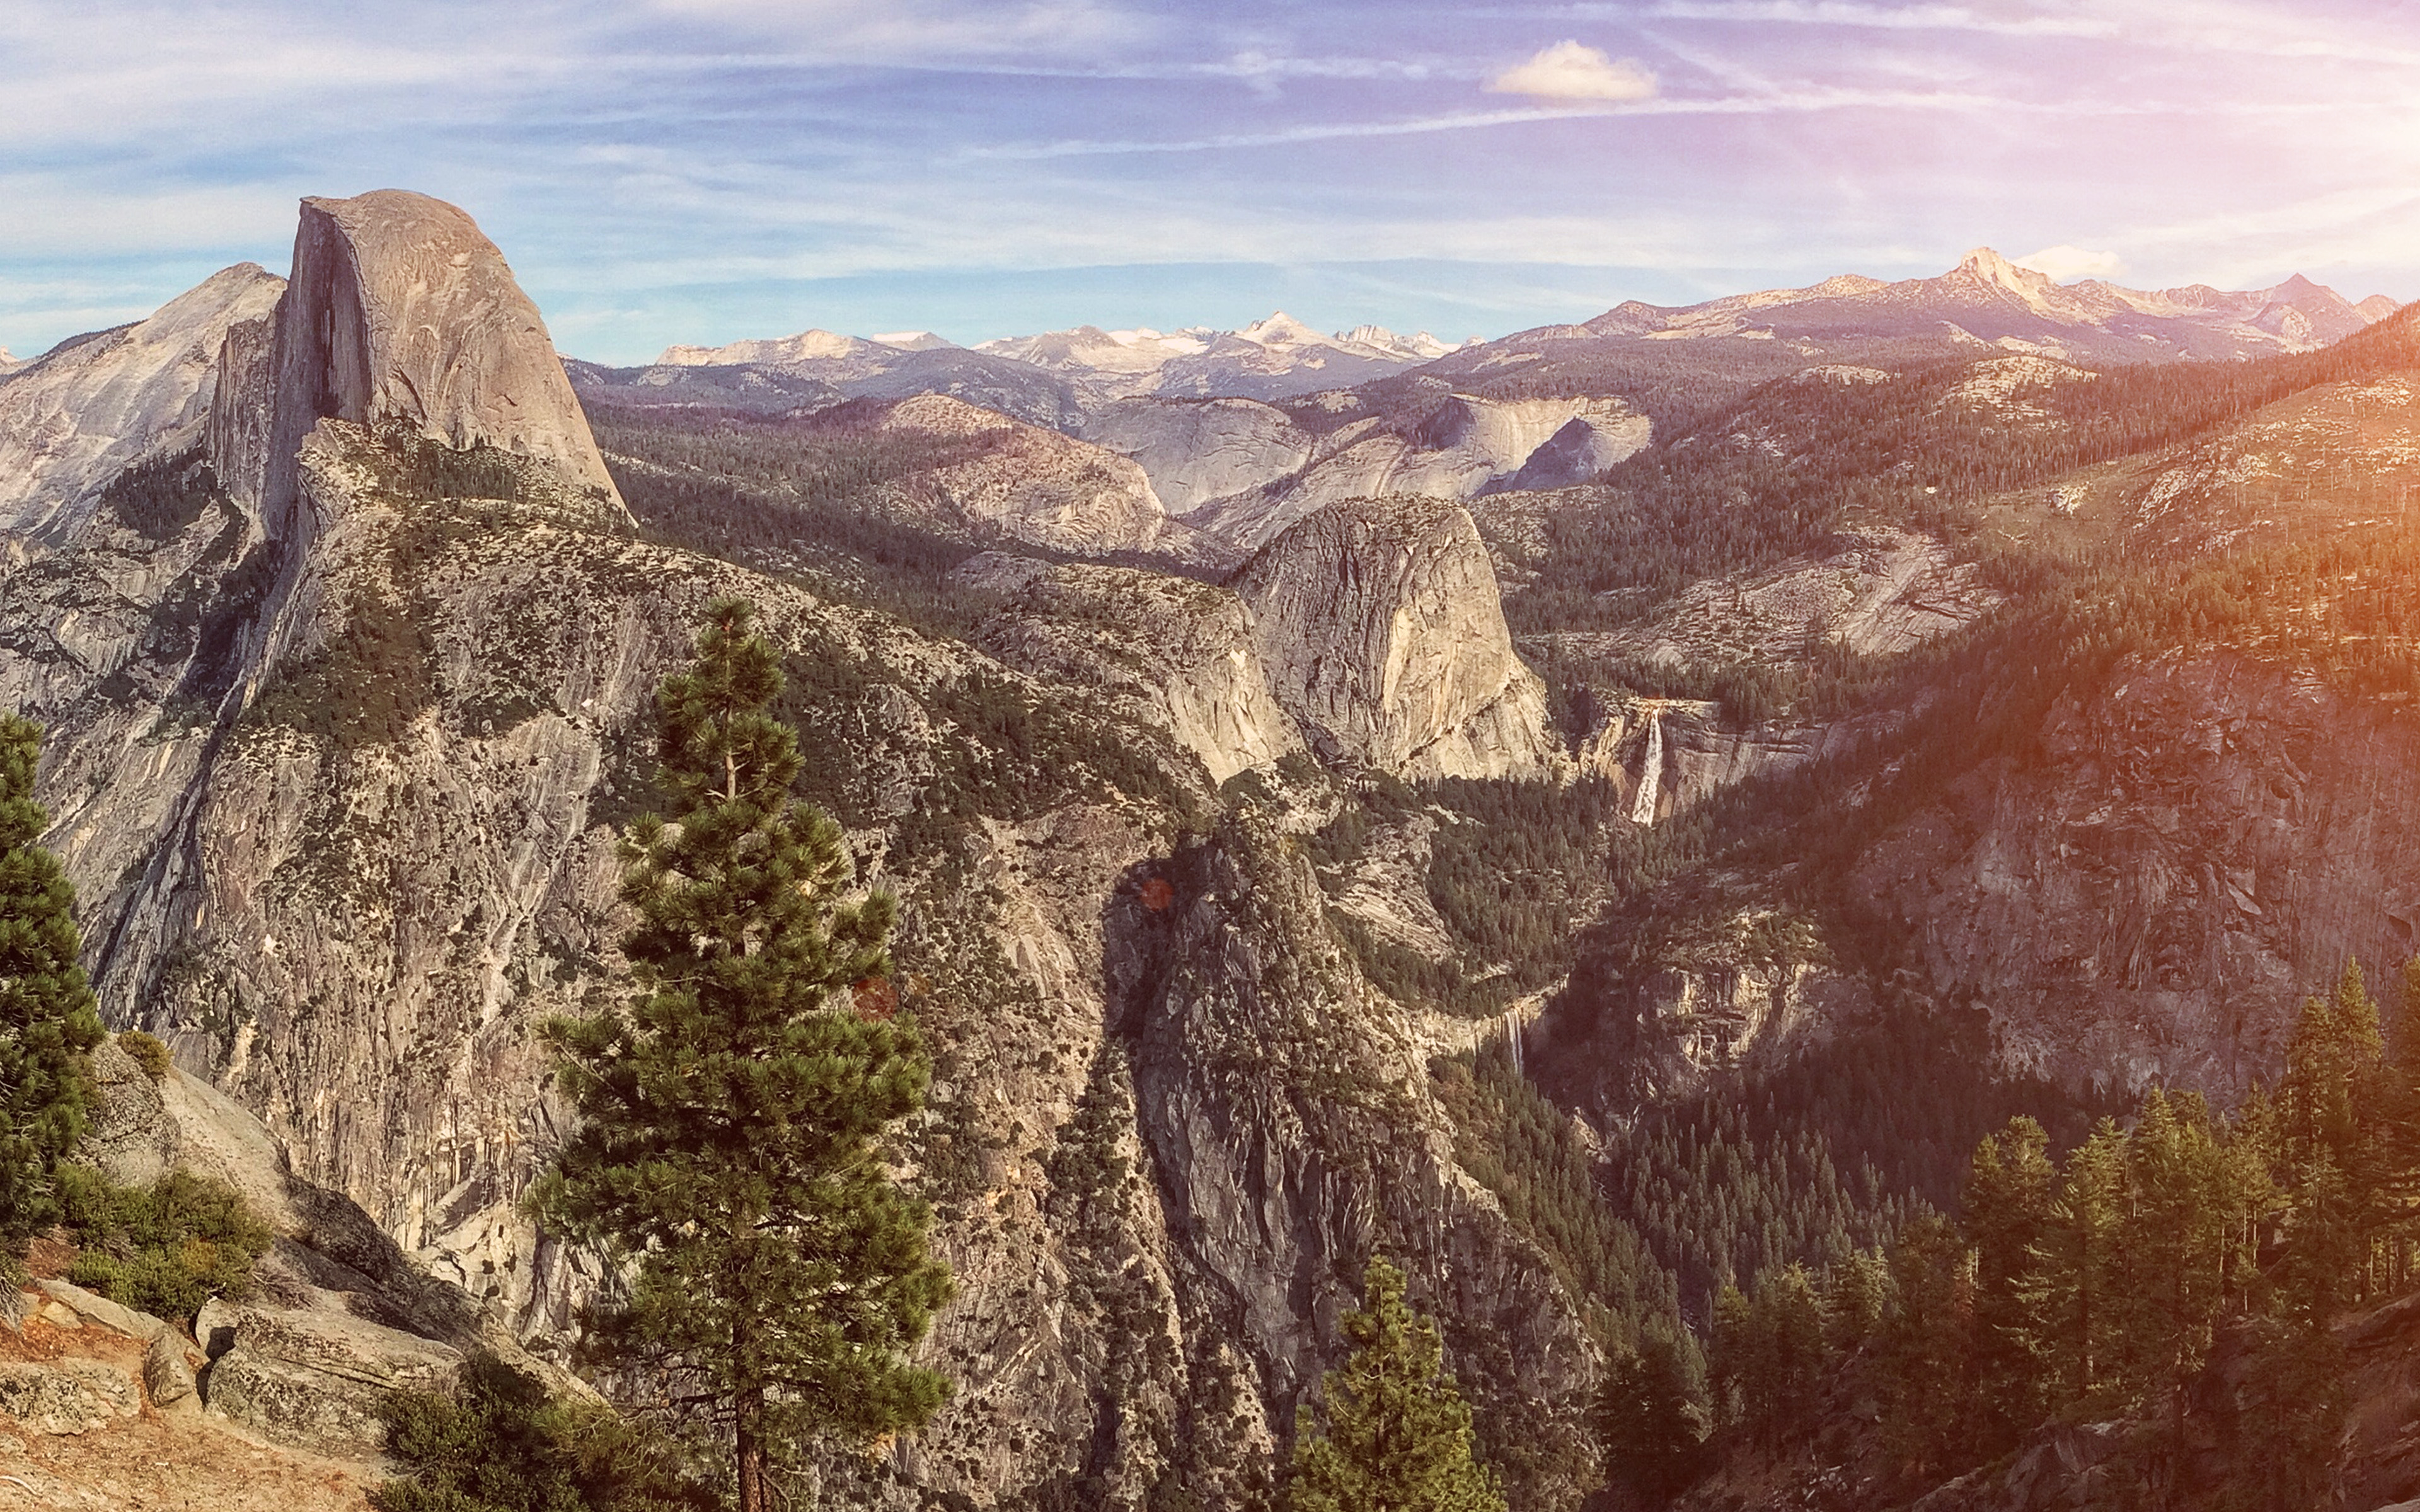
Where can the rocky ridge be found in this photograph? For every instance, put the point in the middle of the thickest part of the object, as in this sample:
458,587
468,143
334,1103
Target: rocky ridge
1988,301
74,420
1464,448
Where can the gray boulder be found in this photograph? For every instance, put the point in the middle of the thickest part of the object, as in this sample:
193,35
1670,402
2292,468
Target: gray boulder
314,1378
132,1139
71,1397
167,1374
93,1308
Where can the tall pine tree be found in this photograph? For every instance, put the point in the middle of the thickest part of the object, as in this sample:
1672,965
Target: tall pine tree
1650,1414
47,1017
728,1161
2011,1189
1399,1434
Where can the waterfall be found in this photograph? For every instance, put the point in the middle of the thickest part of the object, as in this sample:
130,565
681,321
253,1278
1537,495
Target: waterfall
1512,1037
1651,775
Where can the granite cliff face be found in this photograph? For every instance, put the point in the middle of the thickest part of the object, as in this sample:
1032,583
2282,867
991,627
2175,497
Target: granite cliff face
1173,652
400,314
2195,845
1380,626
74,420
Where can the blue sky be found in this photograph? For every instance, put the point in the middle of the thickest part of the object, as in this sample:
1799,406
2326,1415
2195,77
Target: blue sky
702,170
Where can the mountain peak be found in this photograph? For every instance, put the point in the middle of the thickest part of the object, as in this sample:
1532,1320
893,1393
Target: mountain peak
807,346
1992,268
1280,330
912,341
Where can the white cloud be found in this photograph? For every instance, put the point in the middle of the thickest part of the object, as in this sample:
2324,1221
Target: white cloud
2066,264
1575,72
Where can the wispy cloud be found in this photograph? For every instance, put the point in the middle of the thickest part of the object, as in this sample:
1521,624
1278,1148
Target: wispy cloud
1892,18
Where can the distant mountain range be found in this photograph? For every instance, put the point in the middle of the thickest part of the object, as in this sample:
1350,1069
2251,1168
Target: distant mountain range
1269,359
1058,377
1986,301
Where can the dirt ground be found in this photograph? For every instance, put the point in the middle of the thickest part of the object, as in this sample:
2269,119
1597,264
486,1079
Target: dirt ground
157,1462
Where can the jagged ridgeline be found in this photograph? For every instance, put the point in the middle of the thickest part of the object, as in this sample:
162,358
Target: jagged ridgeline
1585,818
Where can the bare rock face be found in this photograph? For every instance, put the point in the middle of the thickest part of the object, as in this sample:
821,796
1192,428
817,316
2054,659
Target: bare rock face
1468,447
2198,844
1197,450
1285,1106
1173,652
402,316
72,420
1037,485
1384,636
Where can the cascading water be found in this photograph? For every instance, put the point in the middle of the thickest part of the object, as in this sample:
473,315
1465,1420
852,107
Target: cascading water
1651,775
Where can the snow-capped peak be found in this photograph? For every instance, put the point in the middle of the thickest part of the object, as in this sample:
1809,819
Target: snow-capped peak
913,341
1282,330
1992,268
1420,345
807,346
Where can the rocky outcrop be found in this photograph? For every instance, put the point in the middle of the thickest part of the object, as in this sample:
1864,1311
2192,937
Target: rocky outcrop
1380,626
1466,447
1169,651
1036,485
316,1379
1200,451
74,419
401,316
74,1396
1285,1108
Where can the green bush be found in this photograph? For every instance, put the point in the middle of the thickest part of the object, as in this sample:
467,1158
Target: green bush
499,1443
148,1052
166,1248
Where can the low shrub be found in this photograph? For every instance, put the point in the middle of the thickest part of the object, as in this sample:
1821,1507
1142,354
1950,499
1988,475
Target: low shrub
166,1248
499,1443
148,1052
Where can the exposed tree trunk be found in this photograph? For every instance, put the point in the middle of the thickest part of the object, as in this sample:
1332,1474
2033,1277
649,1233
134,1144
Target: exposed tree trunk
752,1452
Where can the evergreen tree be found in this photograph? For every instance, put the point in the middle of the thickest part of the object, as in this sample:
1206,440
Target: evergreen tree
2010,1190
1856,1296
1927,1350
1734,1361
1651,1414
47,1016
1786,1324
729,1161
1399,1435
2073,1286
2181,1220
